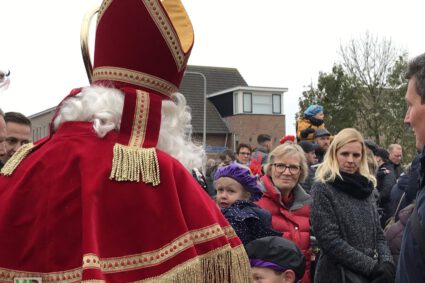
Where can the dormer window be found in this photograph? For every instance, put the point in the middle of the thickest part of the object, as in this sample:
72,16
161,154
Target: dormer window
261,103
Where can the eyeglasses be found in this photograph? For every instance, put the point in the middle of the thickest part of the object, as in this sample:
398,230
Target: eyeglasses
244,153
280,168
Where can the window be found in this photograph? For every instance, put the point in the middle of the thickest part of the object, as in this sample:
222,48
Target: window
262,103
247,102
276,104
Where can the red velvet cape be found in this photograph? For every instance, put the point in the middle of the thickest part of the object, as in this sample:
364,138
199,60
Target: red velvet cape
63,219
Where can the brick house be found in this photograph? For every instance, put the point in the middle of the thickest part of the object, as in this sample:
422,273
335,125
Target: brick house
235,112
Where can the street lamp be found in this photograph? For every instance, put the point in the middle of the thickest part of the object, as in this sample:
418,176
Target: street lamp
204,134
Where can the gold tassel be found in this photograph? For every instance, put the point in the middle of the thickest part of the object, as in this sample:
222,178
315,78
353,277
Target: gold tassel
16,159
129,163
223,265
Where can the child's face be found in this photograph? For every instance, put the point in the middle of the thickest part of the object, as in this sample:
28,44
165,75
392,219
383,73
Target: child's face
319,116
229,191
267,275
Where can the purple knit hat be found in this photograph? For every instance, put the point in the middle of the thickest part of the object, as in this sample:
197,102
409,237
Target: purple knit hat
242,175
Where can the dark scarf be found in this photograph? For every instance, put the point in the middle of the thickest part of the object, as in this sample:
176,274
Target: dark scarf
316,122
354,185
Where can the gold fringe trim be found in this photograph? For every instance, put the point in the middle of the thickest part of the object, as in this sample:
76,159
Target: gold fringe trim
218,266
16,159
129,163
222,265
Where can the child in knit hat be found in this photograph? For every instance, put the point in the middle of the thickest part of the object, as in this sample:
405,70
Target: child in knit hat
237,189
309,122
275,259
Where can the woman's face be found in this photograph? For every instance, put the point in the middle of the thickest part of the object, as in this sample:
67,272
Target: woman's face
229,191
349,157
285,172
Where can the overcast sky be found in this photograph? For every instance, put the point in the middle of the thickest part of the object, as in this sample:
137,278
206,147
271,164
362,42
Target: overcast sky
273,43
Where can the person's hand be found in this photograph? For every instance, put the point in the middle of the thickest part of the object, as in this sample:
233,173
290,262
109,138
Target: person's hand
383,272
304,133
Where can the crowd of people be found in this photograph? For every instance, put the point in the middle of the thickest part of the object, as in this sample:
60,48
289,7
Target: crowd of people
115,192
344,201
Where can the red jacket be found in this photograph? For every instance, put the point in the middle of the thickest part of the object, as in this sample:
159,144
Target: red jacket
293,222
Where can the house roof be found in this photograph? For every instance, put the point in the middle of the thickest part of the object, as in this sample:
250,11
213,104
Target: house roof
249,88
192,87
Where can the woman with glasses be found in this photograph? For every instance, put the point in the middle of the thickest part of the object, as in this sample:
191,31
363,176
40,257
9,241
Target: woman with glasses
287,201
344,216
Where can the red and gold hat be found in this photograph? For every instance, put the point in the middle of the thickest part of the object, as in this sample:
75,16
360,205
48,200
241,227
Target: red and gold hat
141,47
142,44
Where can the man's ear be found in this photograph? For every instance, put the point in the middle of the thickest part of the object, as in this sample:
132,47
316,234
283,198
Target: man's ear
288,276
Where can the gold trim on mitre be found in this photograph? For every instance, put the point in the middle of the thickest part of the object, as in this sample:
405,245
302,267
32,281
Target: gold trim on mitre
179,20
136,78
16,159
105,4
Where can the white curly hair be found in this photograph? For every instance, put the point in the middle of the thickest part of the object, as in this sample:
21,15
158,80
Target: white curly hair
103,107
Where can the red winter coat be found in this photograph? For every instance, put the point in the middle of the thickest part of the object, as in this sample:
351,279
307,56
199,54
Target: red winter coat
293,222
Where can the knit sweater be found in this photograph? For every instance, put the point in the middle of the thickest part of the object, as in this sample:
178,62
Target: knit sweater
249,221
348,233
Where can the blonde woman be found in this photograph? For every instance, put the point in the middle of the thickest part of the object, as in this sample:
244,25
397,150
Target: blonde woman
344,216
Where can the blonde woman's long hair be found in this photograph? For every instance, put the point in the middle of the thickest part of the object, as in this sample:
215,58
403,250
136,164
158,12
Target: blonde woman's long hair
329,169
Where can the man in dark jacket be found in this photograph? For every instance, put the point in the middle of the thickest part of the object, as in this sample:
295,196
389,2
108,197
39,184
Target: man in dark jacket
322,137
411,265
310,155
386,180
395,155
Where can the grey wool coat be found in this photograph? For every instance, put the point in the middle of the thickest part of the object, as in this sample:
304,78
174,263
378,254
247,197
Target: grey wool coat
348,232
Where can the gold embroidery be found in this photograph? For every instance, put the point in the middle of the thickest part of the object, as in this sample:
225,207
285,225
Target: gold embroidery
140,119
71,276
151,258
16,159
220,265
91,261
230,233
209,267
102,9
134,77
161,20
